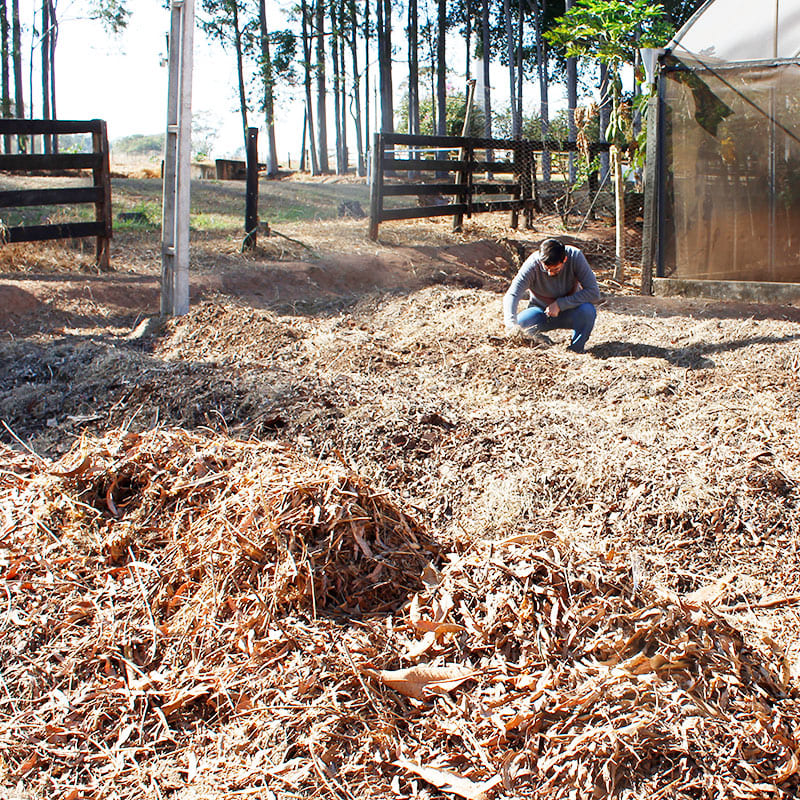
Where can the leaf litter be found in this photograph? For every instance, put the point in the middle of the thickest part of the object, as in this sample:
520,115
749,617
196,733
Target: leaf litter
477,570
218,616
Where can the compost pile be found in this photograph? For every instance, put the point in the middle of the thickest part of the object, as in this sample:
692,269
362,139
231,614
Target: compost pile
194,615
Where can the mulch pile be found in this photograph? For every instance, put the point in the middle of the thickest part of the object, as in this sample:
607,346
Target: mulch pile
190,615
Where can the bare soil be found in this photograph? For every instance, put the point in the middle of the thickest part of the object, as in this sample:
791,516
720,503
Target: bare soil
669,452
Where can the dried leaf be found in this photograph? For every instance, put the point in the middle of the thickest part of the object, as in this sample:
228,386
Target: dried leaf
184,697
421,680
450,782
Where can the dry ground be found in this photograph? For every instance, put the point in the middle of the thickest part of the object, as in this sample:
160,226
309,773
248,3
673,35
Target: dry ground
579,515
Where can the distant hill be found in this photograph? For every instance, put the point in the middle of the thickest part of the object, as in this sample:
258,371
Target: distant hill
139,145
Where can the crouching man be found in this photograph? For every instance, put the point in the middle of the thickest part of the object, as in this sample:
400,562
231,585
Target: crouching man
562,291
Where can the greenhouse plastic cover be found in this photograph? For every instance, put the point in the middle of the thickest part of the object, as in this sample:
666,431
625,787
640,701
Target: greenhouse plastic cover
740,30
732,171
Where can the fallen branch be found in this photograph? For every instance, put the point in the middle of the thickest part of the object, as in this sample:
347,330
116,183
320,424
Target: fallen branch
774,603
272,231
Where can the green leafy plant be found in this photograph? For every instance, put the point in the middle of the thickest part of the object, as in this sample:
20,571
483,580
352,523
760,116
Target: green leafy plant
611,31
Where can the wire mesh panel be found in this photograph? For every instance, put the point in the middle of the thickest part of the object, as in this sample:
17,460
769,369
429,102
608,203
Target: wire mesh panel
732,173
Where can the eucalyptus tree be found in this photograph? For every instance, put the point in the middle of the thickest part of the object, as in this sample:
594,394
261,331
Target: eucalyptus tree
336,11
441,68
5,67
352,33
276,61
486,53
322,94
367,61
572,104
413,67
269,99
384,25
113,14
516,111
227,22
542,69
308,124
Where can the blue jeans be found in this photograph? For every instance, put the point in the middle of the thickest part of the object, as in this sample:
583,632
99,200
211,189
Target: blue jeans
580,319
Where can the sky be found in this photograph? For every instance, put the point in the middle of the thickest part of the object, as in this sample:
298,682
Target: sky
123,78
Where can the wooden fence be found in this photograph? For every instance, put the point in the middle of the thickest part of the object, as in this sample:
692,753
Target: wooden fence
455,191
98,194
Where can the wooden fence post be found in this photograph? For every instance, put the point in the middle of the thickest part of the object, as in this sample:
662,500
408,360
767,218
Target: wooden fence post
526,187
464,177
651,179
102,178
251,200
376,187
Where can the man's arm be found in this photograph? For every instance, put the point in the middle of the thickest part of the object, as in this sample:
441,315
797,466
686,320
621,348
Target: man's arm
589,291
515,292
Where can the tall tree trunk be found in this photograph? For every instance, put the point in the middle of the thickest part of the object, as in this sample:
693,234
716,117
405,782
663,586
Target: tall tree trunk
16,42
338,111
572,103
45,46
487,90
544,88
361,166
322,92
385,64
52,61
305,24
413,68
441,70
515,121
237,41
412,32
468,39
302,165
269,96
430,42
366,74
343,86
518,53
5,68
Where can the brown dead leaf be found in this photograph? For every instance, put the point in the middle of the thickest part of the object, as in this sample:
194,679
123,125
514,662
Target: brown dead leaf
711,593
423,680
84,465
184,697
450,782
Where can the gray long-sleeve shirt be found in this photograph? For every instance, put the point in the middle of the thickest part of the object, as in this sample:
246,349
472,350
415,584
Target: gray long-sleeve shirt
575,284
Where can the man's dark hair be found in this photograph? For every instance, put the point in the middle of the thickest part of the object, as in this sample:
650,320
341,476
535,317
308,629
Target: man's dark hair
552,252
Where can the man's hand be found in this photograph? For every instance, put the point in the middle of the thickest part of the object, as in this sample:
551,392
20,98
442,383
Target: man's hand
552,310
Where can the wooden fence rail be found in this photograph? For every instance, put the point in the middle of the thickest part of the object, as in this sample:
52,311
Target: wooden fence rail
98,194
455,177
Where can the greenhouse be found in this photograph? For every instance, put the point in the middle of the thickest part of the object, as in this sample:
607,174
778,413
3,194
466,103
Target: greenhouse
723,176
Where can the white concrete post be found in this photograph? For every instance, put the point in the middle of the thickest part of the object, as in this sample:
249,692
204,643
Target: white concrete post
177,150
